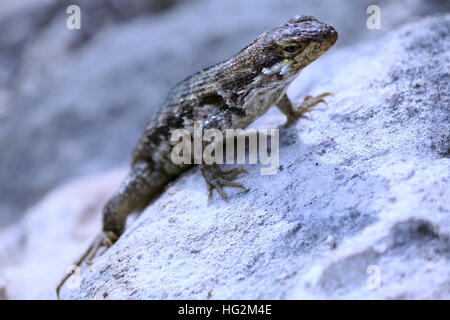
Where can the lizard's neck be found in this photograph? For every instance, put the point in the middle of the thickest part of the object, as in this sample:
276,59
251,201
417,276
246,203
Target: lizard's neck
253,69
264,91
252,81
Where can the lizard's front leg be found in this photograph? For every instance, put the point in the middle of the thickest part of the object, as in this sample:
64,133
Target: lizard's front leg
285,105
216,179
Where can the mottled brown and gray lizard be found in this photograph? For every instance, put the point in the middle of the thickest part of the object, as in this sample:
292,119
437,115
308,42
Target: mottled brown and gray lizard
228,95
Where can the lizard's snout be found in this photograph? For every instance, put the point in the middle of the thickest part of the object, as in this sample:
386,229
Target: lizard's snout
331,35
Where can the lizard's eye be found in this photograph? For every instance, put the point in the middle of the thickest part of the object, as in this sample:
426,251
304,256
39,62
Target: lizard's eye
290,48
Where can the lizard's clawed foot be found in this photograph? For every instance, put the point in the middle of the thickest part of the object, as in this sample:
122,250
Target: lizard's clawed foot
308,103
104,239
216,179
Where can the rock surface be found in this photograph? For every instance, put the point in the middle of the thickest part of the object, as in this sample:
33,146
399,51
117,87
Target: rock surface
363,191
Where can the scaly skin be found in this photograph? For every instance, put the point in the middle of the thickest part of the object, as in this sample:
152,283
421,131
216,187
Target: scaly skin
229,95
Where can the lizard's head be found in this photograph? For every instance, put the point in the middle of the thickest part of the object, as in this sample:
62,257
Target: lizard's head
298,42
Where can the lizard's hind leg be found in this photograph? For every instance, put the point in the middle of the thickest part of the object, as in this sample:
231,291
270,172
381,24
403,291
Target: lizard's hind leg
104,239
134,194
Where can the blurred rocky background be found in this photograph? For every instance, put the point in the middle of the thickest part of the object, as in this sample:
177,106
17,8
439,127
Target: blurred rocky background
73,103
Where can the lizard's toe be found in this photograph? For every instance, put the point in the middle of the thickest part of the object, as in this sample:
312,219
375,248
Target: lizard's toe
233,173
104,239
216,179
309,102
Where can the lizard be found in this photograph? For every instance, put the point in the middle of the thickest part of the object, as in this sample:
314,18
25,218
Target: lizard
228,95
